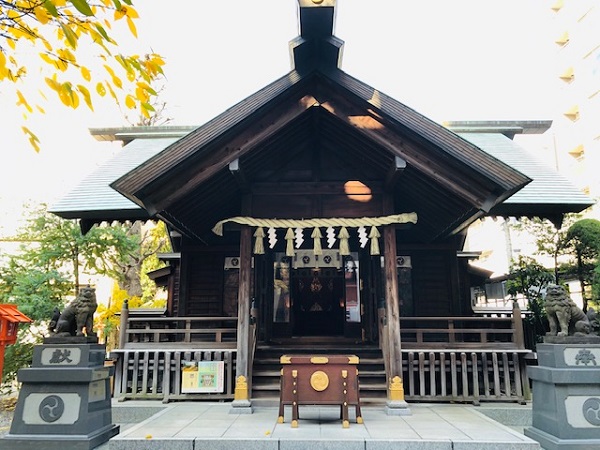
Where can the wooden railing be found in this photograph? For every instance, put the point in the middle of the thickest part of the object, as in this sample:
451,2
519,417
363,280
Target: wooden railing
466,375
462,332
153,351
180,331
155,374
444,358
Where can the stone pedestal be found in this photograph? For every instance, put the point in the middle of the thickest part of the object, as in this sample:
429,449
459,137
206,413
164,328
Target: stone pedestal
64,402
566,396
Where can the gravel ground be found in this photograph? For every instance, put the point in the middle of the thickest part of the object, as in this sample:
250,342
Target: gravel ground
7,406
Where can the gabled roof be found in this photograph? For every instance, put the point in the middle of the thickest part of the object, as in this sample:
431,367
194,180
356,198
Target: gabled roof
200,179
339,110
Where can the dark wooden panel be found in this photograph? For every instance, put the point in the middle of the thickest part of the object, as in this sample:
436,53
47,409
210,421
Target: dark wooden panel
282,206
205,284
433,289
342,206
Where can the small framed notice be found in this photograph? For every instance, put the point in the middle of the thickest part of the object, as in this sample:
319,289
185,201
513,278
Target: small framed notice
202,376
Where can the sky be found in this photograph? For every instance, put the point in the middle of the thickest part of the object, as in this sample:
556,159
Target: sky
449,60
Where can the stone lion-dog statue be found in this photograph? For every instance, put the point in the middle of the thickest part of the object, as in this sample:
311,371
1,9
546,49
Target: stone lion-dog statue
564,316
78,315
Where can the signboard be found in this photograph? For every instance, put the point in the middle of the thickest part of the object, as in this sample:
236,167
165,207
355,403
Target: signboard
202,376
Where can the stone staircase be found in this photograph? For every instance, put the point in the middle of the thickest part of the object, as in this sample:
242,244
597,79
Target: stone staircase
267,368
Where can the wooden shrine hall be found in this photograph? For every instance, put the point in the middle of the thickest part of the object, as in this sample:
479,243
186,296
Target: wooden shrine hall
320,216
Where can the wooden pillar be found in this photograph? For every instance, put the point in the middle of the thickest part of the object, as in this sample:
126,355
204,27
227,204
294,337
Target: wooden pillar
396,405
241,401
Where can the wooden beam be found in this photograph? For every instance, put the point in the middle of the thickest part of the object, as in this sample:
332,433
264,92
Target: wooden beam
417,156
394,173
240,177
188,178
309,188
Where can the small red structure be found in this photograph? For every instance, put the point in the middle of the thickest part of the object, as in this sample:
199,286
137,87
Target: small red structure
10,318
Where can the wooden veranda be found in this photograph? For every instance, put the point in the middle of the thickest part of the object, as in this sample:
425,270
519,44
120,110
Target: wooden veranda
458,359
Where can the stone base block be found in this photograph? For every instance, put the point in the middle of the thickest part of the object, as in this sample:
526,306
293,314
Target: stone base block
550,442
58,442
397,408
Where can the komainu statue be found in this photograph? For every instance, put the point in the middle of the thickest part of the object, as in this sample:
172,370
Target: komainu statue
78,315
564,316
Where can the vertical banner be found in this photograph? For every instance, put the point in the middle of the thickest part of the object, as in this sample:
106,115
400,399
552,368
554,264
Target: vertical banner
202,376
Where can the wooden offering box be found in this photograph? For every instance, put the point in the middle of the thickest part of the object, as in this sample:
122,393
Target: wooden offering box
319,380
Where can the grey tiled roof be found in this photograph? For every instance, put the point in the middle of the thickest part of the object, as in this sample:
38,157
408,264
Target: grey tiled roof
548,187
94,198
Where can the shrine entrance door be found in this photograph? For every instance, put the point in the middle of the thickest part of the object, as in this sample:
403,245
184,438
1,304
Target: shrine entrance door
316,296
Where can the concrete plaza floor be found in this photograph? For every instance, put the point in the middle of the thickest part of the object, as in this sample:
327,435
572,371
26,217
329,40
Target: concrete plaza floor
208,426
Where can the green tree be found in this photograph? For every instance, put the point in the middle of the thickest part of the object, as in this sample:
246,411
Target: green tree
528,278
583,240
47,270
549,239
60,245
62,35
151,238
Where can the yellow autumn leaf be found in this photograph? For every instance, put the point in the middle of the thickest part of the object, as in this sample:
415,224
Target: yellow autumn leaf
65,98
120,13
85,73
52,83
131,26
109,70
41,14
130,101
86,96
117,82
33,139
21,101
100,90
112,93
141,94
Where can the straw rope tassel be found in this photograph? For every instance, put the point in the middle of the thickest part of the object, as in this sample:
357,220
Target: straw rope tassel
289,237
374,236
316,235
259,243
343,237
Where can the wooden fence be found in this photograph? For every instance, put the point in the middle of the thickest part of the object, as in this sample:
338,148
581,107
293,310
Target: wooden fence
156,374
465,375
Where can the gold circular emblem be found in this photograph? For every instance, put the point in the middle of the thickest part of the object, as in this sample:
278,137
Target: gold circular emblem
319,380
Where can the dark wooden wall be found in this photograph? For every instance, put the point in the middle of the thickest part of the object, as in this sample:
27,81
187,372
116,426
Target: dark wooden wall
204,287
435,290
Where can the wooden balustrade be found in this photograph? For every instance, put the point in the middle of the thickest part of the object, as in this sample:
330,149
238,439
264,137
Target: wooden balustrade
444,358
180,331
461,332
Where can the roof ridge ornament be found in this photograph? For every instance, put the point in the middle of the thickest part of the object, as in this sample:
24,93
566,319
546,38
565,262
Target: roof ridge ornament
316,46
